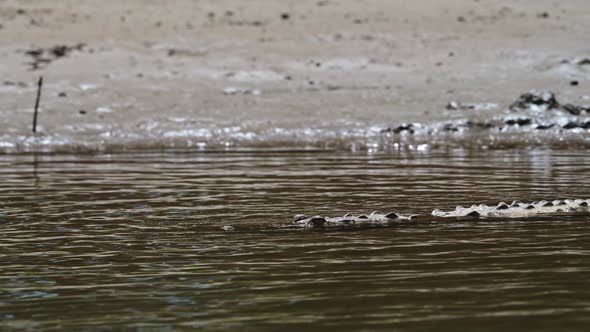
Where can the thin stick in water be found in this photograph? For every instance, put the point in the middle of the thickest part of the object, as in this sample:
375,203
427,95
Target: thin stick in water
39,86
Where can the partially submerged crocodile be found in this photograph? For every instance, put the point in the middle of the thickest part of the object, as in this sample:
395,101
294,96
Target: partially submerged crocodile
375,218
517,209
503,210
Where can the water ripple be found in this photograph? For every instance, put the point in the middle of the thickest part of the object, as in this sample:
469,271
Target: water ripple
134,241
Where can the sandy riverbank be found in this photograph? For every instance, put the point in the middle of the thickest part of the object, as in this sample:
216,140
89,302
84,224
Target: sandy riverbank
150,74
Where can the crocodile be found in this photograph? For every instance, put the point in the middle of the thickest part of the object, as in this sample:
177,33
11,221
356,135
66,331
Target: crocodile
516,209
374,219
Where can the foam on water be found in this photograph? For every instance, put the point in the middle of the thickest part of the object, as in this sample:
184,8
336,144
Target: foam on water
536,119
93,137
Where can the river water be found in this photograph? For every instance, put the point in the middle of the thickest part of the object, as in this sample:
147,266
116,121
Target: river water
134,242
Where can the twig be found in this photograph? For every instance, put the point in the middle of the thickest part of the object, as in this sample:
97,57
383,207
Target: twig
39,86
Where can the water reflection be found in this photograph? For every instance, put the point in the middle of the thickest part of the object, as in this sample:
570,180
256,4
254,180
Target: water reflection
133,241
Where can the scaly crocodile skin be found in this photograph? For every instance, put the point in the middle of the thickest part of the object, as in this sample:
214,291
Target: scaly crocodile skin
375,218
515,210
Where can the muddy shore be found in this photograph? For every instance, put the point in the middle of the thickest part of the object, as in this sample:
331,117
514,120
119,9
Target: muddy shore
137,74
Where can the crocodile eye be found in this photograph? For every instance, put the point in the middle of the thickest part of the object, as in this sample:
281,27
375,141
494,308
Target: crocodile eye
473,214
547,204
502,207
391,215
362,216
316,222
584,204
530,207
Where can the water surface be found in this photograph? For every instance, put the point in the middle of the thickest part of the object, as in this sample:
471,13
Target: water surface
134,241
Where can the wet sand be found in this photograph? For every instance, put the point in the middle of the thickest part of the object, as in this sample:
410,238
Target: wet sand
305,73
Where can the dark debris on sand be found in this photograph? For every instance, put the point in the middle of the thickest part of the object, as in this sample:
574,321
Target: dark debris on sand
401,128
545,100
575,109
12,83
533,102
41,57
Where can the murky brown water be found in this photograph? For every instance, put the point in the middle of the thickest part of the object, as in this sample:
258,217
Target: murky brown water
133,241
